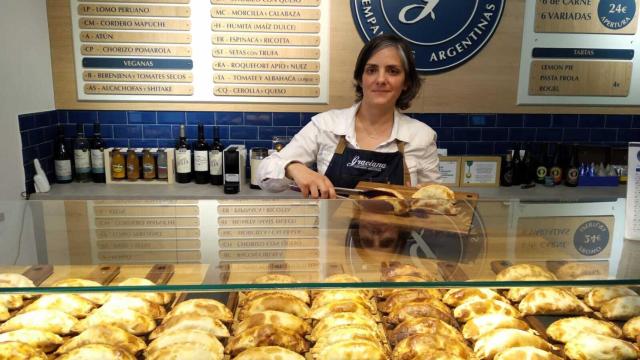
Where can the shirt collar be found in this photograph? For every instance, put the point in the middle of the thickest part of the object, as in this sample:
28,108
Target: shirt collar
348,128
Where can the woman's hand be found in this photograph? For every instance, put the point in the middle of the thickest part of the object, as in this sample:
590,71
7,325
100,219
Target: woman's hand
311,183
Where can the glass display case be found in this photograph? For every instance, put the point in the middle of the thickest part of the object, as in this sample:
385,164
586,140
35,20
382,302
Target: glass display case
241,263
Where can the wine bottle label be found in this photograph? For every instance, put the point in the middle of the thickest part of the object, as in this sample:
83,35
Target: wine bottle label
63,169
148,167
231,177
117,169
541,172
572,176
201,160
183,161
215,162
83,163
97,161
556,173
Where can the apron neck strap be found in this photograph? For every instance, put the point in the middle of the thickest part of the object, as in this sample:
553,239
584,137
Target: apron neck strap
342,144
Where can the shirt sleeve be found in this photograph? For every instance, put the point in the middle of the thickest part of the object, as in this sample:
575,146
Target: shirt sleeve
303,148
428,171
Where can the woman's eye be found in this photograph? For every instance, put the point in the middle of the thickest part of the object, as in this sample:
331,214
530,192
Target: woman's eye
370,70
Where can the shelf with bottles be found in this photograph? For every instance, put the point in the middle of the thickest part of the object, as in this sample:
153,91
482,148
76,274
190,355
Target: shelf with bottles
139,166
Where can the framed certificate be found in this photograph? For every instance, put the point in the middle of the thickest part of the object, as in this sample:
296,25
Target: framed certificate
480,171
450,170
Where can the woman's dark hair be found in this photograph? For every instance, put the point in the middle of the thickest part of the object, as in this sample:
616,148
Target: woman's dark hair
412,79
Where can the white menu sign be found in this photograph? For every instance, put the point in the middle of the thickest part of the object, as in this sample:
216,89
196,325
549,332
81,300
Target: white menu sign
632,216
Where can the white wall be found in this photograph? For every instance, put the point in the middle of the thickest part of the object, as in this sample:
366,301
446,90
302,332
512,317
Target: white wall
26,85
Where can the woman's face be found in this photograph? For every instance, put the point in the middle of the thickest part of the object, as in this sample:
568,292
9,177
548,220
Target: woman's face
383,79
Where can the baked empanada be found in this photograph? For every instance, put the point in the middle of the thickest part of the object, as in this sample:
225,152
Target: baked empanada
631,328
469,310
275,279
581,292
598,296
184,351
73,305
303,295
576,270
599,347
622,308
407,295
106,335
482,324
16,280
434,198
266,335
191,321
54,321
425,308
175,338
130,320
498,340
384,293
423,325
118,301
205,307
277,302
395,268
352,349
268,353
552,301
318,313
522,271
10,301
344,278
13,350
525,353
457,297
43,340
96,298
4,313
417,346
276,318
328,296
345,333
97,351
566,329
154,297
339,319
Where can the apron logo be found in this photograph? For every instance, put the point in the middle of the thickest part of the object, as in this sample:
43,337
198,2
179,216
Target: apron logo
366,165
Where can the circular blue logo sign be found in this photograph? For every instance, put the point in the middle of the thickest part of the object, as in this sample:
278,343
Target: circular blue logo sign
591,238
616,14
443,34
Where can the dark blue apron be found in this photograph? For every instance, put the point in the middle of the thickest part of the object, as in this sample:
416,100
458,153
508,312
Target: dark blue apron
350,166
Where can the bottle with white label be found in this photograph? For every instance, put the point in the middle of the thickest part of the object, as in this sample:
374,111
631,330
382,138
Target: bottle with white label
215,158
183,158
97,155
81,156
62,159
201,158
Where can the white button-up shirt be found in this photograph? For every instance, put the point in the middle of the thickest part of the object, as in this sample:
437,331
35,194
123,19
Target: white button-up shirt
317,142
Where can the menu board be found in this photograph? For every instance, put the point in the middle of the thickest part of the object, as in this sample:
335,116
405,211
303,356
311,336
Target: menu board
202,50
579,52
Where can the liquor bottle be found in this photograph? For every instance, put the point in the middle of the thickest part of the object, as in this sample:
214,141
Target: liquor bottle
62,159
201,158
148,165
183,158
81,156
516,160
572,169
506,174
526,166
556,168
215,158
162,165
117,165
541,164
97,155
133,165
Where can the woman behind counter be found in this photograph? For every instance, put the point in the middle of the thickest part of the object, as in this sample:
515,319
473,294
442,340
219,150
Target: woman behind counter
370,141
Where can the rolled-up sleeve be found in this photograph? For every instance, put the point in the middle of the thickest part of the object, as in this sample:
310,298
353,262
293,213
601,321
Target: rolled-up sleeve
303,148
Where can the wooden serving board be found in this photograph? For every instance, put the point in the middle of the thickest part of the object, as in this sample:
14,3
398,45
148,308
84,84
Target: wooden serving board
38,273
459,223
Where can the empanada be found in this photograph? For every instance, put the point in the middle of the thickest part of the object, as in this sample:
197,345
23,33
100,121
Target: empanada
268,353
130,320
13,350
191,321
318,313
10,301
525,353
328,296
423,325
598,296
176,338
522,271
54,321
275,301
140,305
576,270
16,280
434,198
205,307
276,318
419,345
73,305
275,279
43,340
396,268
457,297
96,298
498,340
384,293
552,301
345,333
402,296
344,278
631,328
622,308
97,351
154,297
482,324
469,310
352,349
566,329
266,335
339,319
184,351
4,313
599,347
425,308
106,335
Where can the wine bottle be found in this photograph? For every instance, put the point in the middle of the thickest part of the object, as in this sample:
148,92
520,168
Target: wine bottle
572,169
62,159
556,169
81,156
97,155
541,163
506,174
215,158
201,158
183,158
526,166
516,160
